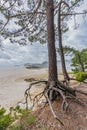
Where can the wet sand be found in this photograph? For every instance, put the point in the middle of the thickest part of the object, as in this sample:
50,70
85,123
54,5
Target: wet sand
11,88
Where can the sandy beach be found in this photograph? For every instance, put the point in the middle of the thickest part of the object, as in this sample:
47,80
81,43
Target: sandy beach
12,85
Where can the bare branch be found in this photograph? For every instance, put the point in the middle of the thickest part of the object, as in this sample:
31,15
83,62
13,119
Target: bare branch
38,5
4,25
65,3
26,13
74,13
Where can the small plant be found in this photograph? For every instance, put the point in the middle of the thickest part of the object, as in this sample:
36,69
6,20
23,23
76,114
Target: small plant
16,113
27,119
81,76
5,119
17,127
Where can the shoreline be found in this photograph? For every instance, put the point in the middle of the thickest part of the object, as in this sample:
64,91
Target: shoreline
13,84
11,90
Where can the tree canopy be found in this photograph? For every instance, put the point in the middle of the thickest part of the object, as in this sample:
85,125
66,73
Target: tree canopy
25,21
79,58
34,20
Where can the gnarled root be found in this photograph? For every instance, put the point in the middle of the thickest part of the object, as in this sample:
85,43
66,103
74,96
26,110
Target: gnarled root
27,92
51,92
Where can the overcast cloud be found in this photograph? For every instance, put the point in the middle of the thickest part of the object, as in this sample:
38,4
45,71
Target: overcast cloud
16,55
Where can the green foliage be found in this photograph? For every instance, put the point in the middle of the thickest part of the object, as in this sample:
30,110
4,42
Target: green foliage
17,127
75,2
28,2
27,119
16,113
81,76
1,9
36,38
20,23
79,60
31,39
2,111
75,70
5,119
67,50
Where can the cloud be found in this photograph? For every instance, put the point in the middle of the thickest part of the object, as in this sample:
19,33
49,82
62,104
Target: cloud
77,37
14,54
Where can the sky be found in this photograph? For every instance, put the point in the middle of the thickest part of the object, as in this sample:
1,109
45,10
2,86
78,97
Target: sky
15,55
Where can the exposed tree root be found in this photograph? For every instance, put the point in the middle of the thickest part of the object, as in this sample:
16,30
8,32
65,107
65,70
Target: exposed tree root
27,92
53,91
85,82
51,108
37,98
67,81
81,92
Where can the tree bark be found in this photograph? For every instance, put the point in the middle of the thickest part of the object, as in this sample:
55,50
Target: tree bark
52,72
66,77
80,61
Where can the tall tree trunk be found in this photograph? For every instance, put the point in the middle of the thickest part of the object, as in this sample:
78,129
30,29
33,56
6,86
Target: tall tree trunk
52,72
66,77
81,63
